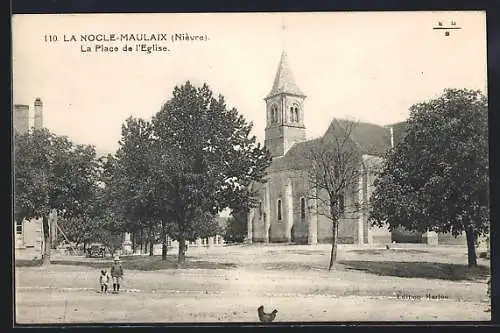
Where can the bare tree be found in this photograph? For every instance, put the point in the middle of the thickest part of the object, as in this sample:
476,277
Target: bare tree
334,171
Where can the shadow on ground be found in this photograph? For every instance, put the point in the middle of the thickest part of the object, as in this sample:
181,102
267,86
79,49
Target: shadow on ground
292,266
416,269
384,251
142,263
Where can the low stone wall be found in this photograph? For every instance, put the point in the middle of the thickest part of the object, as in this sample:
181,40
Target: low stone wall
381,238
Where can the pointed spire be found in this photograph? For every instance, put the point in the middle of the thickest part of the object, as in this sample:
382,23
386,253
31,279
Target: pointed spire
284,82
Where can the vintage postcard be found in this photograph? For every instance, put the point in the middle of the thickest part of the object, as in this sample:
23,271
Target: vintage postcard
250,167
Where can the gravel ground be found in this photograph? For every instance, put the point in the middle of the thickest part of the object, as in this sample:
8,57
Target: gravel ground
291,279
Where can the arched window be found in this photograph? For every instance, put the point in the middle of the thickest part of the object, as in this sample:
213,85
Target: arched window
302,208
279,210
274,114
294,113
260,210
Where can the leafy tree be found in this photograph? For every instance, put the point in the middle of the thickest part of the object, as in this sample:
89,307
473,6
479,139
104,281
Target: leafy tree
333,174
86,226
205,160
80,231
51,174
436,179
111,235
236,227
131,186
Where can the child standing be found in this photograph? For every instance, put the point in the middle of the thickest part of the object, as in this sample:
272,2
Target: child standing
104,281
116,274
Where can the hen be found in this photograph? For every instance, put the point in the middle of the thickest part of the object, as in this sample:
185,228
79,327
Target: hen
266,317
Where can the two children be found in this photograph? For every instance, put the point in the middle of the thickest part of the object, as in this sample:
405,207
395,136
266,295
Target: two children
116,276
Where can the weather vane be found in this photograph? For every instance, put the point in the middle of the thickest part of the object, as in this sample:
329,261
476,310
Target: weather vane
447,28
283,28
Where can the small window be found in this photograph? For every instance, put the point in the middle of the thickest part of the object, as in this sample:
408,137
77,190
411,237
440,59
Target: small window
279,210
19,228
260,210
296,114
292,117
302,208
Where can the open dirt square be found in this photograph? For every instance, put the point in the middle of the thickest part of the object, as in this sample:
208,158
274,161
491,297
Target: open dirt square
227,284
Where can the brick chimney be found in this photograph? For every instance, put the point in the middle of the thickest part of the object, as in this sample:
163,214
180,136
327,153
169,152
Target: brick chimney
38,123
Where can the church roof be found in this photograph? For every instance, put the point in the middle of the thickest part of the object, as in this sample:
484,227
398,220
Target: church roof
370,139
284,83
296,157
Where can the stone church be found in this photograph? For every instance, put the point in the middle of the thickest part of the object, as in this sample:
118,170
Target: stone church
285,211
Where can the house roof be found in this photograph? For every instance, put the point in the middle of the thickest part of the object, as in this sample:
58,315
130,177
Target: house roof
284,83
398,131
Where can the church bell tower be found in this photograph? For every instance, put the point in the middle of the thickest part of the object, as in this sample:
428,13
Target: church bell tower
284,112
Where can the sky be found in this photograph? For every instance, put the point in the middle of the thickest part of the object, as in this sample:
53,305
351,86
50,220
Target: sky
369,66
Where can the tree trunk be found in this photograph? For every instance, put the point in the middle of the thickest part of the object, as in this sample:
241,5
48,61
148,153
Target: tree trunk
141,240
151,242
333,253
53,233
84,247
471,247
182,249
46,241
133,242
164,248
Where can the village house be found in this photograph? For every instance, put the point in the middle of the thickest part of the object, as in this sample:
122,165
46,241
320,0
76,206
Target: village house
28,235
216,240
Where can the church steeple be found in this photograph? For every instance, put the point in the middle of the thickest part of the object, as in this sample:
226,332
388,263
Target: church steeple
284,82
285,111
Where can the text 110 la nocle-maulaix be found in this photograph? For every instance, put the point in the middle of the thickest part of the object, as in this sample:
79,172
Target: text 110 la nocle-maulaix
140,37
